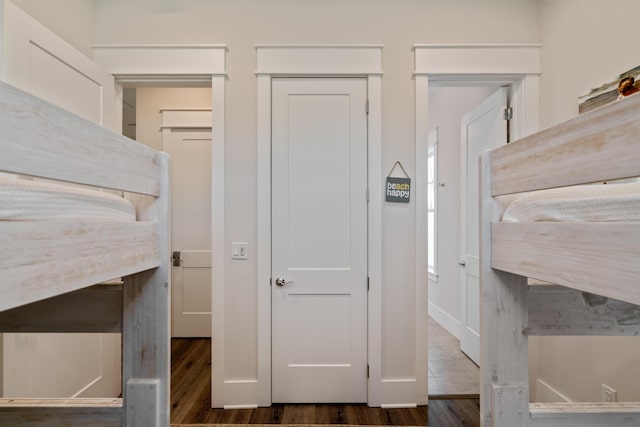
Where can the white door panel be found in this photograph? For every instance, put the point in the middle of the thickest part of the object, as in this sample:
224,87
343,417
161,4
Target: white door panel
319,237
38,61
190,151
482,128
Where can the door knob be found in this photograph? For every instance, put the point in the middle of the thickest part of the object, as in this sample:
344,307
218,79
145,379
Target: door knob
462,264
280,281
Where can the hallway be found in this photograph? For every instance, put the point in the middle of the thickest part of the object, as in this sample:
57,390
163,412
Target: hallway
451,373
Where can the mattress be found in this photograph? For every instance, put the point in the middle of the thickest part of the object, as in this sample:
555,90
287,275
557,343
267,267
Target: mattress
26,200
618,202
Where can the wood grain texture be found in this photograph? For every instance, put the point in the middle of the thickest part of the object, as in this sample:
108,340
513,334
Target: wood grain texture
43,140
600,258
572,152
44,259
557,310
504,350
61,412
146,315
94,309
191,402
585,414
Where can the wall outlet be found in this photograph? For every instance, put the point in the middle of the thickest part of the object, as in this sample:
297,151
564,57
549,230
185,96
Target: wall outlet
609,394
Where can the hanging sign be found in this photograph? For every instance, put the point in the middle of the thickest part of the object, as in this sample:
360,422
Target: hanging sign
398,190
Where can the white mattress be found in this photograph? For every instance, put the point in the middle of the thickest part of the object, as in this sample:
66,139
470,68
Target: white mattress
25,200
583,203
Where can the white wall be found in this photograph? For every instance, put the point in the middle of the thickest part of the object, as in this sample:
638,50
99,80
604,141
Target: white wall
149,102
70,19
447,105
242,24
586,43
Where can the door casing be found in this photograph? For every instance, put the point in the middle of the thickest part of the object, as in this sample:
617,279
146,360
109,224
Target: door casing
320,61
514,65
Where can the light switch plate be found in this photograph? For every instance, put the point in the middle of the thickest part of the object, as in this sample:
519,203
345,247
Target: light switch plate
239,250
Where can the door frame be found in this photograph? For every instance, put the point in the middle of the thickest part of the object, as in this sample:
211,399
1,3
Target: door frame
515,65
188,65
318,61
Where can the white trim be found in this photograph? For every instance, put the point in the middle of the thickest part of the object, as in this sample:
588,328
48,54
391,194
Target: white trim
209,61
188,118
319,60
398,406
517,65
399,392
422,270
444,319
240,406
151,60
550,394
516,59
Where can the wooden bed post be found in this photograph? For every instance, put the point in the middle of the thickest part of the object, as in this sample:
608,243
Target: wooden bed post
146,326
504,353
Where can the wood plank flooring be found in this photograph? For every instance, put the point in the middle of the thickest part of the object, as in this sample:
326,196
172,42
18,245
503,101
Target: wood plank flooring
451,373
191,398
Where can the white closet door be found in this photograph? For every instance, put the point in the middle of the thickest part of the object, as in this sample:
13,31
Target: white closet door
319,238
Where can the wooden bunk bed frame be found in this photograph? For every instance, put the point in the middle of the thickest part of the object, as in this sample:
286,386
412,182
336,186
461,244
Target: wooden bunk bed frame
583,260
49,270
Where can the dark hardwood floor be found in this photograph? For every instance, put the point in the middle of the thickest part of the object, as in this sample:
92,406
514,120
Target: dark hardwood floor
191,397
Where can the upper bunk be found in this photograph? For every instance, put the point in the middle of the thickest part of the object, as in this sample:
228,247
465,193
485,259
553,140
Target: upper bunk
43,258
600,257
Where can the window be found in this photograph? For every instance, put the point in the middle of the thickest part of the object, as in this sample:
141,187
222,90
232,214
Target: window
432,203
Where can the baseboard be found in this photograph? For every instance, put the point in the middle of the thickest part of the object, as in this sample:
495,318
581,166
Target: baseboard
444,319
547,394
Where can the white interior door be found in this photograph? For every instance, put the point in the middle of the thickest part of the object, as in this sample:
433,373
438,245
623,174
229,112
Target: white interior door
190,151
482,128
319,240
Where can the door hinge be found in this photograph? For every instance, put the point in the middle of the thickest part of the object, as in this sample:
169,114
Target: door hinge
175,258
508,113
367,371
367,283
366,106
367,195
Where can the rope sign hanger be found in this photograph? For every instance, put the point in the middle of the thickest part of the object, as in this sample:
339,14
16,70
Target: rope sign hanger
397,163
398,190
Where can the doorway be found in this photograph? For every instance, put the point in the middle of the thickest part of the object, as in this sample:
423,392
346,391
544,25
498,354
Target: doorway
177,120
451,371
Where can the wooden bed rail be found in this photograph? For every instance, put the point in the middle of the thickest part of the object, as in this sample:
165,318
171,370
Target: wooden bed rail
624,414
540,249
94,309
558,310
43,140
572,152
61,412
